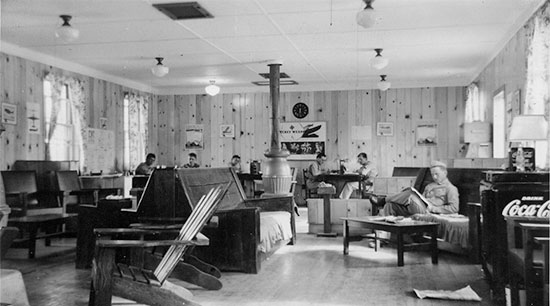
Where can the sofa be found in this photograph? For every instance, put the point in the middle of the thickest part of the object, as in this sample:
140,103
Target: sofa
458,233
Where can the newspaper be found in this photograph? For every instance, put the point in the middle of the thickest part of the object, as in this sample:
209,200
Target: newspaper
464,294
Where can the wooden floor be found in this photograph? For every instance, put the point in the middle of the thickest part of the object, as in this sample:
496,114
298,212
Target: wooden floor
313,272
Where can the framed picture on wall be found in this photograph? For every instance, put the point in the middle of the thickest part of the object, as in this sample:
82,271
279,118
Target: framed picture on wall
304,140
9,113
227,130
194,136
426,134
384,129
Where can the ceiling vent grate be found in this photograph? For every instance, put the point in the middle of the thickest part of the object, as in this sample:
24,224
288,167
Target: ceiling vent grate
282,82
282,75
183,10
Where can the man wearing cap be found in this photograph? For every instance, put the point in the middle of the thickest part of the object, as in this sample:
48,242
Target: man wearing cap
441,197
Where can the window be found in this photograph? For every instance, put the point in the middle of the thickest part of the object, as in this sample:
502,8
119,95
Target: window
135,130
475,109
60,137
499,125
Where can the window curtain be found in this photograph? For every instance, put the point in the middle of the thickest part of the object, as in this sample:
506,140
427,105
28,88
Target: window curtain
537,96
78,104
474,111
138,110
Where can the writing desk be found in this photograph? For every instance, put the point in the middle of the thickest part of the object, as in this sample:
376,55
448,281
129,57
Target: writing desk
247,181
340,180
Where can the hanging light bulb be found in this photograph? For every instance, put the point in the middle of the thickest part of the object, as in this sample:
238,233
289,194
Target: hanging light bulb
383,85
159,69
212,89
66,32
367,17
378,62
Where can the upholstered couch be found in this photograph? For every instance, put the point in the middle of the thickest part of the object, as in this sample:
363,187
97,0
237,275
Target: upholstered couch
459,234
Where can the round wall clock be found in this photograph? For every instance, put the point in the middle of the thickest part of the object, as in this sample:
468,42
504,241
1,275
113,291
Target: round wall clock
300,110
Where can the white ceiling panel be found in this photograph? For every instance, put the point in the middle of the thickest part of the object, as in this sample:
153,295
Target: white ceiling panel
428,42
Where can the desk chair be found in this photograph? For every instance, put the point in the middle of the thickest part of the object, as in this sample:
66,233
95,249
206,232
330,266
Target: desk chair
310,192
525,261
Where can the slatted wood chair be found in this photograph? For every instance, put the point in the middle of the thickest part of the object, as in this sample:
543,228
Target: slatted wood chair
142,285
525,261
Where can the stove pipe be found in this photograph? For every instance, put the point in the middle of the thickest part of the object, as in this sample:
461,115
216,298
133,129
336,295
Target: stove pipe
277,177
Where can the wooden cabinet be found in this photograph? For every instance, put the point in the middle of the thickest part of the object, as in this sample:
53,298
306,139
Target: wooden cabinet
338,208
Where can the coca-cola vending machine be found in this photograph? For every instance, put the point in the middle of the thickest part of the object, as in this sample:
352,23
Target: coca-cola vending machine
511,194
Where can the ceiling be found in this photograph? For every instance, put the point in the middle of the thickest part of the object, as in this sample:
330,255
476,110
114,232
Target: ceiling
429,42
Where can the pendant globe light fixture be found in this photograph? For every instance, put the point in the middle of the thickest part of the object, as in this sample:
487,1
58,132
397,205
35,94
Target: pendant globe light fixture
212,89
66,32
159,69
383,85
378,62
367,17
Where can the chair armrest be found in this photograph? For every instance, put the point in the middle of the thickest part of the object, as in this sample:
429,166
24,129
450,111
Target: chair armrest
144,244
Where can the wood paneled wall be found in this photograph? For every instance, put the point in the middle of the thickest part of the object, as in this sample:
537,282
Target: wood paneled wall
21,83
250,112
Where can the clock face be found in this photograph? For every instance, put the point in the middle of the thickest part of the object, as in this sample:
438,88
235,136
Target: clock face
300,110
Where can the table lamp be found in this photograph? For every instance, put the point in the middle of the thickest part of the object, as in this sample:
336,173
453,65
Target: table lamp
527,128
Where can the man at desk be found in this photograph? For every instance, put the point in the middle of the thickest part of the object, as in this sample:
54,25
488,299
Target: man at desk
192,161
316,168
440,196
236,163
367,171
146,167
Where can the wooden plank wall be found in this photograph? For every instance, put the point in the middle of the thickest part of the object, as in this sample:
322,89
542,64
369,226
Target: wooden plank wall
250,112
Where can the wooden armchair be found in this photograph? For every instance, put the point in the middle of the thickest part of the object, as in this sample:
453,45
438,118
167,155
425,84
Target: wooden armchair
21,191
68,184
525,260
140,284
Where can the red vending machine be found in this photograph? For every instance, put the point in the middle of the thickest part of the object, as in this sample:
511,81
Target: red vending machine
508,193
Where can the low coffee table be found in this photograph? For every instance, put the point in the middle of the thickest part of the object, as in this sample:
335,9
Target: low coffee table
399,228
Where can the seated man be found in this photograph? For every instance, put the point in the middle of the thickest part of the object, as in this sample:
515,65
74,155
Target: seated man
367,171
441,197
192,161
146,167
236,163
316,168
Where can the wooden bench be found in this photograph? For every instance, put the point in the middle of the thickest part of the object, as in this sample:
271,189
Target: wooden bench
31,224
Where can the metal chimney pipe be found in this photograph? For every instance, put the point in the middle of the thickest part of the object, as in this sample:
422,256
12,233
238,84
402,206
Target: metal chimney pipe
277,178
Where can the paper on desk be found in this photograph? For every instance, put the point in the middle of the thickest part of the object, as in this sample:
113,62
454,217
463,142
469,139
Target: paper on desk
464,294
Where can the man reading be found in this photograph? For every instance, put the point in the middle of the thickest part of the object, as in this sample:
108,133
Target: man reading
440,197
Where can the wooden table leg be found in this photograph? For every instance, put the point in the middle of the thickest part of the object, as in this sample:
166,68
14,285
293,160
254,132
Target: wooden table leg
346,237
400,250
33,229
434,245
326,218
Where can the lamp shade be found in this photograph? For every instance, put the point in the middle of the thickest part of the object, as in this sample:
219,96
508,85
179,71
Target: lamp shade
383,85
66,32
367,17
477,132
378,62
159,69
212,89
529,127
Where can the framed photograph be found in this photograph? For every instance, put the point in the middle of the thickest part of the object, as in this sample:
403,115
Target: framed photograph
34,118
426,134
103,123
227,130
9,113
194,136
304,140
384,129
